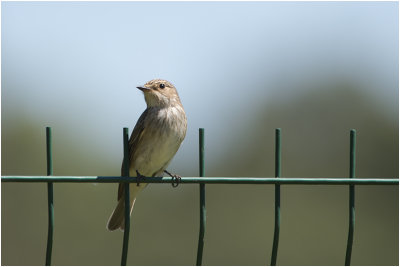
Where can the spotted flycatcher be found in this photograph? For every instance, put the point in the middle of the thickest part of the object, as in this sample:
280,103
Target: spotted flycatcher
154,141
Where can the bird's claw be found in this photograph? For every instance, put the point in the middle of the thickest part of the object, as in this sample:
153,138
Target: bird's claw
176,179
138,176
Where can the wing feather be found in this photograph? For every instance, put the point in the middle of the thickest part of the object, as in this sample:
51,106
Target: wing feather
134,141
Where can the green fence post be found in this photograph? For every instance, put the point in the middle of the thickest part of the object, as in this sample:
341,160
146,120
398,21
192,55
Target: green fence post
202,200
50,205
126,163
352,212
277,196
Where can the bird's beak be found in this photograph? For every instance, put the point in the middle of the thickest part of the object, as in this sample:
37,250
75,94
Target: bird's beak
142,88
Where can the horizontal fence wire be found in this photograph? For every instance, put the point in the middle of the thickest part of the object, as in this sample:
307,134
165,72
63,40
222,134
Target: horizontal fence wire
198,180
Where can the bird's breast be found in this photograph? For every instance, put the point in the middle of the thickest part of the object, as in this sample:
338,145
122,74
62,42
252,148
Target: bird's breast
164,133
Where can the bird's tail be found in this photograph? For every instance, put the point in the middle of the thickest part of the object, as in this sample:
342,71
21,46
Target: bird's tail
117,218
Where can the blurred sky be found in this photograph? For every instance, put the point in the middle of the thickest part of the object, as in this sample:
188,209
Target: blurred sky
75,65
316,69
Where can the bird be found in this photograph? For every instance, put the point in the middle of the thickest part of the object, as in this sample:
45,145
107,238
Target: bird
153,143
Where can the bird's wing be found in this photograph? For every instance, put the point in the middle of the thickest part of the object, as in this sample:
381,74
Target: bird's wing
134,140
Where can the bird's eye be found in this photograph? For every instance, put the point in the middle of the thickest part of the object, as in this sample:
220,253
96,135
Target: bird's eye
162,86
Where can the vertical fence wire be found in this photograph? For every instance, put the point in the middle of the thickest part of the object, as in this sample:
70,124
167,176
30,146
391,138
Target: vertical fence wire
50,205
352,213
126,163
277,196
202,200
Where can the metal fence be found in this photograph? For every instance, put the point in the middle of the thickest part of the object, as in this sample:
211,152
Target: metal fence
201,180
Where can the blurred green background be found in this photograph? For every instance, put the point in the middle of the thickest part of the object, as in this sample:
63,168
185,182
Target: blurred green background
314,69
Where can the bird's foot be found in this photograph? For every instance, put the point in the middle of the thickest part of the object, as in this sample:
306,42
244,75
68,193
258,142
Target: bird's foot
176,179
139,177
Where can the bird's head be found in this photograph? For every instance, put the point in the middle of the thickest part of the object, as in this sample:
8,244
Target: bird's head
160,93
